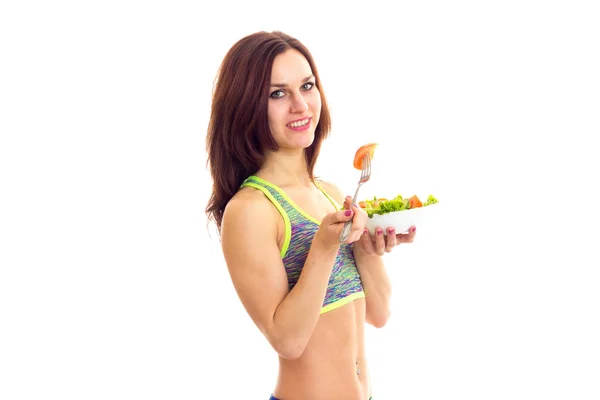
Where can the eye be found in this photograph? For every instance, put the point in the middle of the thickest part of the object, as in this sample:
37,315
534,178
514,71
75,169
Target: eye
308,85
277,94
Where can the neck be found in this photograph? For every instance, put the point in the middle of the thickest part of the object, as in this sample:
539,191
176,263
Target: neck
285,168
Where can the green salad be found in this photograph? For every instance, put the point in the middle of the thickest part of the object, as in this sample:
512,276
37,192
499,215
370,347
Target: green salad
383,206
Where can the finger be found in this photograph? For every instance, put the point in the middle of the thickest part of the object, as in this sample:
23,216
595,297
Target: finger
379,242
367,243
407,237
358,226
340,216
357,235
347,203
390,240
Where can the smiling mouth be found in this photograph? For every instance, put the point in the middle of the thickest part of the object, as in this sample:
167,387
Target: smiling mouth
300,123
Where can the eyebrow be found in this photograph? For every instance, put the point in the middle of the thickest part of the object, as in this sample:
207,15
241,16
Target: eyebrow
283,85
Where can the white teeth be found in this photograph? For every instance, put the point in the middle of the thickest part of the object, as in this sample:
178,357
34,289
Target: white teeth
299,123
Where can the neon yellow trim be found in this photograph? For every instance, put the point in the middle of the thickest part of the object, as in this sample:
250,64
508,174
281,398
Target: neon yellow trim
336,205
286,218
289,200
341,302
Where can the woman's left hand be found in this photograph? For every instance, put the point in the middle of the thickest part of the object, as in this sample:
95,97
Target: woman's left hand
380,243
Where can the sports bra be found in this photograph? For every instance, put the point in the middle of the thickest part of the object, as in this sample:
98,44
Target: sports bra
344,282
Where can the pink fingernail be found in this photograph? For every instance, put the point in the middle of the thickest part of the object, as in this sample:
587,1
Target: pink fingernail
413,229
379,231
348,213
366,232
391,231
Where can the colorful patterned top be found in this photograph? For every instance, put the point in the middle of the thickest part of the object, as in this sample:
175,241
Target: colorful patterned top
344,282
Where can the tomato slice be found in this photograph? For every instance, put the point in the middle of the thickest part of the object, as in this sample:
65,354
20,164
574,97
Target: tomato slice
361,152
362,204
414,202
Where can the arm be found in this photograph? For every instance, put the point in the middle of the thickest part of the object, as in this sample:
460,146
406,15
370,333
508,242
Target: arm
374,277
376,283
249,239
368,252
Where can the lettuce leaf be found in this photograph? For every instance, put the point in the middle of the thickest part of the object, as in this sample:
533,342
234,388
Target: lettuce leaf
398,203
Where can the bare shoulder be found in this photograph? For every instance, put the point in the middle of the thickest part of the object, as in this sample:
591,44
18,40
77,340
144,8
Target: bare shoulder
249,241
249,225
248,209
333,190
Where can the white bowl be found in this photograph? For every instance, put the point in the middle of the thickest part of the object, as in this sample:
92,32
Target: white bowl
401,221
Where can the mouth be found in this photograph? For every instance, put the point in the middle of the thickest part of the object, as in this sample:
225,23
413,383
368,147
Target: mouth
299,123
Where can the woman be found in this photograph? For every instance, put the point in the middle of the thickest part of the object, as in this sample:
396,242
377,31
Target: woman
309,294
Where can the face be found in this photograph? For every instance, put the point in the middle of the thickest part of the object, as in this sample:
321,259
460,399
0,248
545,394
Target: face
294,101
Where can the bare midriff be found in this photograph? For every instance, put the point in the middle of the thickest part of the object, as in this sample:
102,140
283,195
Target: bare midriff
333,365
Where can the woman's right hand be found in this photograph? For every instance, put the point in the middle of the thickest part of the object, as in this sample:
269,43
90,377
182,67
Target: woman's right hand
333,223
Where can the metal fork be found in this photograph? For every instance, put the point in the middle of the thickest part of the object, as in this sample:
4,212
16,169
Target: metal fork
365,174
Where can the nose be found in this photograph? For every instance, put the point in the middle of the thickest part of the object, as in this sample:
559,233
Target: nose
298,104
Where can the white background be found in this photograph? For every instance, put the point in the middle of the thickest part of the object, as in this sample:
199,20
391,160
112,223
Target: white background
113,287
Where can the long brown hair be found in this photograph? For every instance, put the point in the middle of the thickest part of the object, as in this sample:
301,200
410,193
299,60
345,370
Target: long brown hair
238,130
